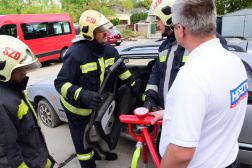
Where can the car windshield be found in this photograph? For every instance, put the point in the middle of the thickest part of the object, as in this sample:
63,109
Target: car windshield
114,32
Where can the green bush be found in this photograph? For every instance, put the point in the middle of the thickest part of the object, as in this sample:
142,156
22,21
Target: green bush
115,21
126,33
127,27
153,29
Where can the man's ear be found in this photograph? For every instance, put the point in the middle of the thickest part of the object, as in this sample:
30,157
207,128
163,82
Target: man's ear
181,31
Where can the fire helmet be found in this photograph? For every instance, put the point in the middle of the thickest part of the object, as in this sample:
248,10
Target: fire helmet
14,54
162,9
91,21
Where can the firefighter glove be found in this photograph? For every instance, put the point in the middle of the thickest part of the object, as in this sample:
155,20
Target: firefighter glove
135,91
150,104
92,100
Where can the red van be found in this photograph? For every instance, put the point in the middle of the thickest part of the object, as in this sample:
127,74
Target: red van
47,35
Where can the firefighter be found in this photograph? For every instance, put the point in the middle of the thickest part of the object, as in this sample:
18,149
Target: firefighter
22,142
81,76
171,57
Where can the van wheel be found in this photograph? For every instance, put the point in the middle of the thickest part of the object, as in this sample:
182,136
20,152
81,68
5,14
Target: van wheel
47,114
61,55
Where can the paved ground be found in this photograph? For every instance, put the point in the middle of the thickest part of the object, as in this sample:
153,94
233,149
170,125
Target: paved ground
59,140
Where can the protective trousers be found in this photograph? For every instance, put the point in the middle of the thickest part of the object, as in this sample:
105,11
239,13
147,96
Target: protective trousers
77,125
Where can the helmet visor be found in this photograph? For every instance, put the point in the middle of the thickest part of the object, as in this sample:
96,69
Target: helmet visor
151,18
29,68
103,27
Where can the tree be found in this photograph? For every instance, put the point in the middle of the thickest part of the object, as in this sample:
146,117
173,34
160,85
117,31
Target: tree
28,7
125,4
146,4
136,17
76,7
228,6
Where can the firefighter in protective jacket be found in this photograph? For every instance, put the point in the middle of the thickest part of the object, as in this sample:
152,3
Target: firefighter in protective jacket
171,56
22,144
82,75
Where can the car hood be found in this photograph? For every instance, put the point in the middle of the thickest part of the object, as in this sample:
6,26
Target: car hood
49,80
245,44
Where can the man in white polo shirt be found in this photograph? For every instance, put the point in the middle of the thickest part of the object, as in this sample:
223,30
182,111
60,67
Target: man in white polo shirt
206,104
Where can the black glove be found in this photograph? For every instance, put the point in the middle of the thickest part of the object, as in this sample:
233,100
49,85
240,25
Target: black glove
91,99
150,104
135,91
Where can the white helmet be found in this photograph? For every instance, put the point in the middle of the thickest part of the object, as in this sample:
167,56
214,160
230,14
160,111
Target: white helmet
162,9
15,54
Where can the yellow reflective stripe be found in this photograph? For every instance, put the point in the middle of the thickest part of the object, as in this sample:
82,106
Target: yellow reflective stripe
133,83
87,156
125,75
48,164
23,165
149,89
143,97
162,58
34,112
101,62
185,58
75,110
64,89
88,67
23,108
77,92
109,62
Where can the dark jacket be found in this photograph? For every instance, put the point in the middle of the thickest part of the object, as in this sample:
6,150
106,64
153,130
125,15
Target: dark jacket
167,67
21,140
85,63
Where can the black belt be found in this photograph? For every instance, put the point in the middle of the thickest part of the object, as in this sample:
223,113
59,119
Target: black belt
235,164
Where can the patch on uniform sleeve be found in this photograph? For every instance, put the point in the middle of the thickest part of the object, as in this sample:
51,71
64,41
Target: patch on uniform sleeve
162,58
239,93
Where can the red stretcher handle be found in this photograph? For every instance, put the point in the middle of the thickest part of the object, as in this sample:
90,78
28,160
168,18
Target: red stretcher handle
132,119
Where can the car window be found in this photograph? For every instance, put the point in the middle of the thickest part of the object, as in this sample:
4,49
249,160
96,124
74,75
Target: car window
114,32
9,29
249,74
77,29
45,29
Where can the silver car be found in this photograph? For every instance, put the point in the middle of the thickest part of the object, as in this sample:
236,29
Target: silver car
51,113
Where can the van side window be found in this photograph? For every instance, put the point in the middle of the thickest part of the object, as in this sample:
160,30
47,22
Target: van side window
45,29
249,74
10,29
35,30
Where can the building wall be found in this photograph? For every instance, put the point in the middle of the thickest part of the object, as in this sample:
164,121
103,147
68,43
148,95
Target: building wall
124,17
142,28
121,17
238,23
248,27
237,26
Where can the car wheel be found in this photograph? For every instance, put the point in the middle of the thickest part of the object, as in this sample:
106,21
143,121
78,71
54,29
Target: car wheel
62,54
47,114
117,44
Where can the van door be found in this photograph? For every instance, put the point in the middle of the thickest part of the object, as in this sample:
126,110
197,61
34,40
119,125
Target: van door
39,37
62,29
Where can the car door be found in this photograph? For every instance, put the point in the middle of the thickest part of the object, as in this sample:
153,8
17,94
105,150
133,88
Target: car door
246,132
